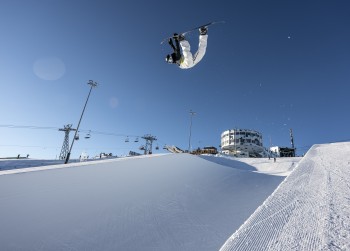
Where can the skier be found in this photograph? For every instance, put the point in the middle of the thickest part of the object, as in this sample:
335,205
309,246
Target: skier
186,60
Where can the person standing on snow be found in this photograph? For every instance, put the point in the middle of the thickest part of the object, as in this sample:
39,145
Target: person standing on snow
186,60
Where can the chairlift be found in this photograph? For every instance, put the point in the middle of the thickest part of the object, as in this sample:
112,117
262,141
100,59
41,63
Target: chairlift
157,147
127,139
76,136
142,148
88,135
136,140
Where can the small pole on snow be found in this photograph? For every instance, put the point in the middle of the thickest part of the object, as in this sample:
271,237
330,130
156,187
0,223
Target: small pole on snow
92,84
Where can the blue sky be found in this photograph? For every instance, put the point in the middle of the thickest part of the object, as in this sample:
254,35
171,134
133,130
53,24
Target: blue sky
274,65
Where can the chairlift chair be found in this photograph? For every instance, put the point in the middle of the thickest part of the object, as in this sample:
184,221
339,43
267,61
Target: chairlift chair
136,140
76,136
88,135
127,139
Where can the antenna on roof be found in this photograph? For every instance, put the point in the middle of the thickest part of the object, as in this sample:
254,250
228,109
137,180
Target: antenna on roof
292,141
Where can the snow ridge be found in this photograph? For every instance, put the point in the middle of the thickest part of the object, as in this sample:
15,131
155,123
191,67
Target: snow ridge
310,210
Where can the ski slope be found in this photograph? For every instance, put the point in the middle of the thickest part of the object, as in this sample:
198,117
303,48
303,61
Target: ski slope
166,202
180,202
310,210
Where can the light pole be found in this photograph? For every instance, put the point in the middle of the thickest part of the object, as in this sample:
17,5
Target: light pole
92,84
192,113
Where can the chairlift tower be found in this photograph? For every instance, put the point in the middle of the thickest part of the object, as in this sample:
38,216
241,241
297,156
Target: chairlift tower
65,147
149,141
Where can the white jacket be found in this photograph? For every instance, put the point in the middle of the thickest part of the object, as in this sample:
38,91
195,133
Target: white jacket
187,59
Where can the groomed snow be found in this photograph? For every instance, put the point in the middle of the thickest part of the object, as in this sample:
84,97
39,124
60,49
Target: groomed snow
180,202
166,202
282,166
310,210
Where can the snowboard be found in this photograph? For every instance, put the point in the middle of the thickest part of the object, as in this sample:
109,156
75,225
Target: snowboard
194,29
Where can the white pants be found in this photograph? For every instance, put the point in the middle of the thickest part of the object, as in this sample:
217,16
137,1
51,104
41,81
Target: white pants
188,60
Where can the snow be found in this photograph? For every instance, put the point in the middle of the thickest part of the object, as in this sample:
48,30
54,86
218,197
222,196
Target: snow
310,210
11,164
165,202
283,167
180,202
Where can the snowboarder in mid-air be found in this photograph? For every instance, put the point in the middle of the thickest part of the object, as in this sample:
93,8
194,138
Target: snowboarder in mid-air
186,59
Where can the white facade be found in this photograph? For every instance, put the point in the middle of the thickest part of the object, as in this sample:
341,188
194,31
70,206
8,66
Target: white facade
282,151
242,143
275,150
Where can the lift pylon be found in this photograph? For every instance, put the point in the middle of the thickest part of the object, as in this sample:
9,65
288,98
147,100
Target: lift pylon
149,141
65,147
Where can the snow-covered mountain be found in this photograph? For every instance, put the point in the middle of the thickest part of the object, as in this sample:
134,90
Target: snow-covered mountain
179,202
